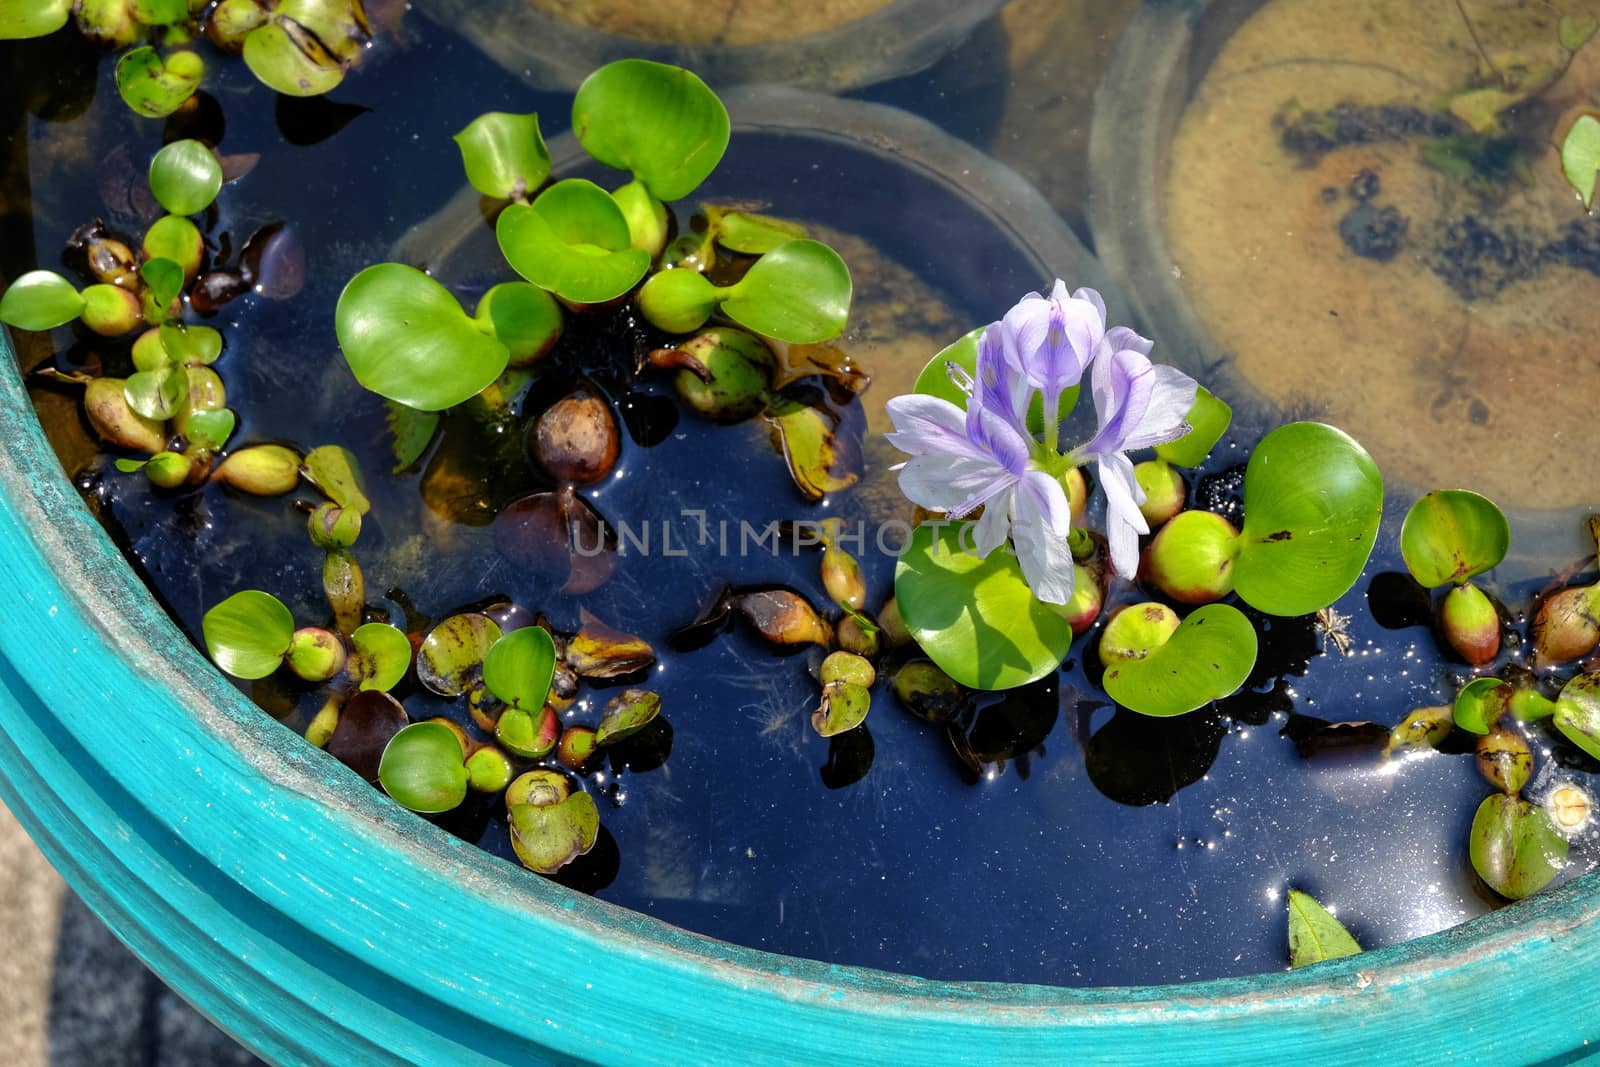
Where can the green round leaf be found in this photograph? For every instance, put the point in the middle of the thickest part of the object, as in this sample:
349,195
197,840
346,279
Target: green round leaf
288,57
1577,712
626,714
1580,156
1480,704
1515,847
799,292
156,394
519,667
191,346
504,155
573,241
524,317
976,618
678,300
248,633
753,235
423,769
1315,935
336,472
20,19
383,655
547,838
176,238
935,380
660,123
844,706
209,429
1207,658
40,300
1451,535
165,279
1312,502
156,87
450,661
1208,420
407,339
185,177
160,12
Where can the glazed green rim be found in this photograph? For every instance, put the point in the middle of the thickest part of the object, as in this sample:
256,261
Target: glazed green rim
319,923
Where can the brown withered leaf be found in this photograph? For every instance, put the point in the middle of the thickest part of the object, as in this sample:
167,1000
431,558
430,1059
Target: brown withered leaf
784,617
599,651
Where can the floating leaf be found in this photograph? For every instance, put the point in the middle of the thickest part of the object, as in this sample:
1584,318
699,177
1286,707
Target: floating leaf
626,714
185,177
1515,847
290,58
519,667
798,292
781,616
194,346
155,87
1451,535
1313,499
524,317
844,706
1423,728
156,394
336,472
131,466
450,661
40,300
1315,935
1575,32
753,235
1480,704
573,241
382,655
21,19
248,633
976,618
160,12
209,429
165,279
1580,156
176,238
599,651
821,458
1207,658
1208,420
504,155
1577,712
660,123
411,432
407,339
422,768
547,838
367,723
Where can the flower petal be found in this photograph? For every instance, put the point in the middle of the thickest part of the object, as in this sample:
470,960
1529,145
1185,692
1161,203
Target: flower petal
929,425
1124,522
940,483
993,525
1123,380
1041,499
1171,397
1046,561
1091,295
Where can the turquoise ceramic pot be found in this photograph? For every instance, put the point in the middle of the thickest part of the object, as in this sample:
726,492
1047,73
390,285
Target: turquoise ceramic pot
319,923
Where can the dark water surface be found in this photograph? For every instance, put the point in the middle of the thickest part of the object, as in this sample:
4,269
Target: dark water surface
1115,849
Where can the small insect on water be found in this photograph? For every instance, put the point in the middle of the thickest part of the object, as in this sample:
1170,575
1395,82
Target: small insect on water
1334,628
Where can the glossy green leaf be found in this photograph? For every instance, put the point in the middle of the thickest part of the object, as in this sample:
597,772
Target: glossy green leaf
382,655
422,768
844,706
410,432
524,317
679,300
156,394
1208,420
1313,499
156,87
1577,712
799,292
407,339
573,241
1580,156
248,633
1451,535
22,19
193,346
286,56
519,667
935,380
160,12
1480,704
210,429
976,618
1315,935
176,238
626,714
165,279
185,177
504,155
1515,847
1207,658
753,235
659,122
131,466
531,734
547,838
336,472
40,300
450,661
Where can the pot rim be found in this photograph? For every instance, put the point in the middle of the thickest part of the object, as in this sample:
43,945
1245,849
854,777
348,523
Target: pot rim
1158,62
551,53
302,911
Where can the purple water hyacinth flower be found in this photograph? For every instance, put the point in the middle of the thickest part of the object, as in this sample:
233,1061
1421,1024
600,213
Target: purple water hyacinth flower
1138,404
1050,340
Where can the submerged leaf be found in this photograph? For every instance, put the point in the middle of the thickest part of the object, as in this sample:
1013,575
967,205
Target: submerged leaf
411,432
1580,157
1314,934
560,537
367,723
